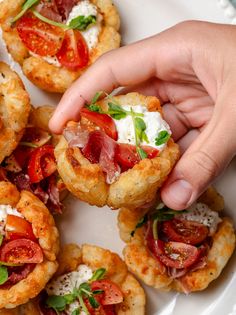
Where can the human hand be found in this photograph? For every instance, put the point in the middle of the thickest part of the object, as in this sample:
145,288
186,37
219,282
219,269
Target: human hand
192,69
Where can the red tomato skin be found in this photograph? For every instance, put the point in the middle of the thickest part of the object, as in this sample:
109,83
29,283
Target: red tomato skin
42,163
163,250
39,37
112,293
188,232
74,52
21,251
104,121
17,227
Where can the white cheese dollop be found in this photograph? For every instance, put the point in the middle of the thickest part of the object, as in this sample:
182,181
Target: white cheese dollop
66,283
86,8
4,211
200,212
52,60
153,121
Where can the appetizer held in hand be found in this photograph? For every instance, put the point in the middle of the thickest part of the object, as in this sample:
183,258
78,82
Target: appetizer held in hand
180,250
55,41
32,165
29,243
119,153
14,110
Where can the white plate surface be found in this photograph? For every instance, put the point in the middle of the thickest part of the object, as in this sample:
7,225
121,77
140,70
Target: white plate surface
82,223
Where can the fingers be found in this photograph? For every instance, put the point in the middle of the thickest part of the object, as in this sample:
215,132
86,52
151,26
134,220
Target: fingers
200,164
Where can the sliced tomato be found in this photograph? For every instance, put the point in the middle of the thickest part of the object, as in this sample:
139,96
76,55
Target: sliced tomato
21,251
39,37
184,231
174,254
17,227
22,155
104,121
74,52
42,163
127,156
112,293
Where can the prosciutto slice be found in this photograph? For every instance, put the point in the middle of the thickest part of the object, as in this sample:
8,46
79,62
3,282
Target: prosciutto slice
16,274
64,7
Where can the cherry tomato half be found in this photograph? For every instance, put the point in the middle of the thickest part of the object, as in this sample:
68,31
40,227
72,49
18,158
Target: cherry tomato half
104,121
17,227
21,251
39,37
184,231
42,163
174,254
112,293
74,52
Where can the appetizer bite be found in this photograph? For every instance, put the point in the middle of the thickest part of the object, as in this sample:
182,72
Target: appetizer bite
180,250
29,244
90,280
32,165
14,110
119,153
56,41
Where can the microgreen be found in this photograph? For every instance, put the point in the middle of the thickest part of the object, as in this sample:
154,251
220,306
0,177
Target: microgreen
140,223
26,6
48,21
76,312
3,275
98,274
56,302
162,137
1,239
96,97
82,22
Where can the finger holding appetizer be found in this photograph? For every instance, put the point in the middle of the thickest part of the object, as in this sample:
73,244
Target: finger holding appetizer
32,165
14,110
119,153
179,250
56,41
29,246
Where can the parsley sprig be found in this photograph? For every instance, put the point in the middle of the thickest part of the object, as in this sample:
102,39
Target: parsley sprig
59,302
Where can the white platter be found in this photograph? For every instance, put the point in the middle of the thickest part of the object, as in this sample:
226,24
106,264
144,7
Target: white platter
82,223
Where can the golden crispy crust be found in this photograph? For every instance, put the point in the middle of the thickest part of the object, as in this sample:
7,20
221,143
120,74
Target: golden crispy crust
47,76
44,229
133,188
140,261
14,110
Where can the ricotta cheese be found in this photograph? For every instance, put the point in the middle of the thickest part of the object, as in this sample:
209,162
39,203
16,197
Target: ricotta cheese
4,211
200,212
153,121
86,8
52,60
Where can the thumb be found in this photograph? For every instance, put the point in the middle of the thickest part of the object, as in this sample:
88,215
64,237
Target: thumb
204,160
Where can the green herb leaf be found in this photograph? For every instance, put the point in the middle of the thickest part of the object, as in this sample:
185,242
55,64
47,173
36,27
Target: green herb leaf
98,292
26,6
1,239
82,22
76,312
142,153
140,223
95,108
93,302
83,306
162,138
3,275
85,289
48,21
116,111
58,303
98,274
69,298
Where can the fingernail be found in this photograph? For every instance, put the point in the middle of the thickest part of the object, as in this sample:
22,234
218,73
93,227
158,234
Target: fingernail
179,193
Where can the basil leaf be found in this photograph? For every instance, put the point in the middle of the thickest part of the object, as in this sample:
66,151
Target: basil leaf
76,312
140,223
3,275
81,22
56,302
96,97
26,6
98,274
93,302
1,239
142,153
162,138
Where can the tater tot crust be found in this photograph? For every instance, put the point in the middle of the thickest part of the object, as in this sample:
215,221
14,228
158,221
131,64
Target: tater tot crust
44,229
141,262
14,110
48,76
134,187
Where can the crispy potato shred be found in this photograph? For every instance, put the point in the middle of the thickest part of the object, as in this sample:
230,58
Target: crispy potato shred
14,110
48,76
141,262
134,187
45,231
